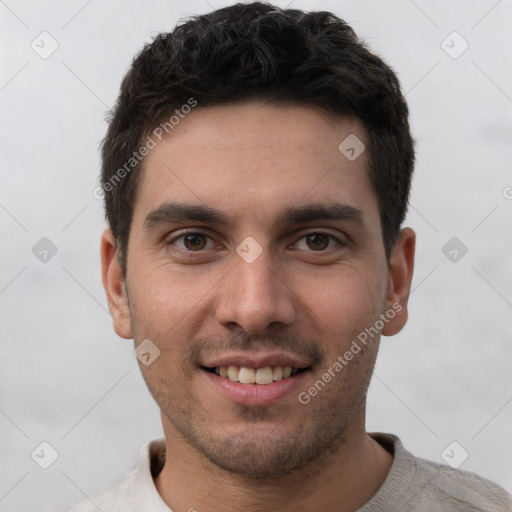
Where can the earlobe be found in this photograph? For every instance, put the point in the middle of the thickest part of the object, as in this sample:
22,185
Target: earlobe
114,284
401,267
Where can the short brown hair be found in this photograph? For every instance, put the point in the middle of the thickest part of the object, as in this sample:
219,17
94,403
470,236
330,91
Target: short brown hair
258,51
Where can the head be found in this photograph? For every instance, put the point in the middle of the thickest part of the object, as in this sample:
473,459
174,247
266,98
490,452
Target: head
242,233
257,51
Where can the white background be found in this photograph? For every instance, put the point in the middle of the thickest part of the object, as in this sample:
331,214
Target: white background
67,379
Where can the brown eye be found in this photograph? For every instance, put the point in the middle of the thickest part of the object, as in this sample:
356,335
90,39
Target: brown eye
194,242
317,241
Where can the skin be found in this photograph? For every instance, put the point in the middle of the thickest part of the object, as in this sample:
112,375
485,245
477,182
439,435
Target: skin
198,299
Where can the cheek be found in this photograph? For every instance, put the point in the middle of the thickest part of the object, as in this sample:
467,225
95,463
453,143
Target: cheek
168,304
343,305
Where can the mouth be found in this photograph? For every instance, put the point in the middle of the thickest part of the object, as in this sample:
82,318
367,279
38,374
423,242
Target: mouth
255,379
259,376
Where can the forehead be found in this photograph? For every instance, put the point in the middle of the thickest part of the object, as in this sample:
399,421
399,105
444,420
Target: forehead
251,160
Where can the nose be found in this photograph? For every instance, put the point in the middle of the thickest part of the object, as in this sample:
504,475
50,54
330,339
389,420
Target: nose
255,298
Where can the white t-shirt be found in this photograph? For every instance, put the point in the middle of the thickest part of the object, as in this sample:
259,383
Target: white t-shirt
412,485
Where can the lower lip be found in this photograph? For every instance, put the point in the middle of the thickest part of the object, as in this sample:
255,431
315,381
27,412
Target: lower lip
256,394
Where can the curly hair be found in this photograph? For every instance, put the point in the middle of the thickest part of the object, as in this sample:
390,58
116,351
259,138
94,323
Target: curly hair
257,51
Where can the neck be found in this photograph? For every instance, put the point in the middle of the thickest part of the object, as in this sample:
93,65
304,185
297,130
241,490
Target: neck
343,479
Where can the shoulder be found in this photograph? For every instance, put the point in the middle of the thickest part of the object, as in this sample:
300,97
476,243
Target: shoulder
133,491
415,484
112,498
456,486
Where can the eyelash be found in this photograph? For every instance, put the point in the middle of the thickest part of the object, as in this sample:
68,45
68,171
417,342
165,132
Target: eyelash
183,234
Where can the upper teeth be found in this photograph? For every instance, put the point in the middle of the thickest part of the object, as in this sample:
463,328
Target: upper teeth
265,375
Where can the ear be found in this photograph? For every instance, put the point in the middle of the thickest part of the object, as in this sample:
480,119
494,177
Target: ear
114,284
401,266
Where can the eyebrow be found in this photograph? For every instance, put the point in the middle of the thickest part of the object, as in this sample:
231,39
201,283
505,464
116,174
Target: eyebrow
173,213
319,211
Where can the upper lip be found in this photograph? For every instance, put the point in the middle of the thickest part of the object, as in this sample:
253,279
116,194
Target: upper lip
256,360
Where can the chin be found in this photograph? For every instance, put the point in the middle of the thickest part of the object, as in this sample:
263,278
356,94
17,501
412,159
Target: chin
265,452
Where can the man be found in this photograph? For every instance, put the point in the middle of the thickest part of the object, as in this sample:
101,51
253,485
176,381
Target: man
256,173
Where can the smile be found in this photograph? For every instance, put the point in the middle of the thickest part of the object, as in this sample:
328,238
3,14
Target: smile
262,376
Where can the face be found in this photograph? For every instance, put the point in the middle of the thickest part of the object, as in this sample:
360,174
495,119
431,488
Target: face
255,262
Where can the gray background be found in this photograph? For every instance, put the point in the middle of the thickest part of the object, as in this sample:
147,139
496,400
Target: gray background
68,380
